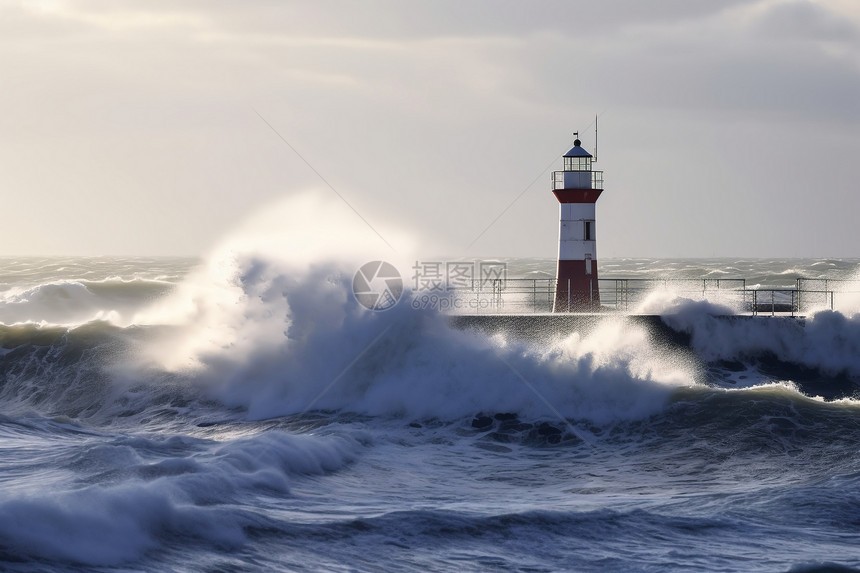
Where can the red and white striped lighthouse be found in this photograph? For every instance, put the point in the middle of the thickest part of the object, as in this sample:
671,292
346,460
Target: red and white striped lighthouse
577,189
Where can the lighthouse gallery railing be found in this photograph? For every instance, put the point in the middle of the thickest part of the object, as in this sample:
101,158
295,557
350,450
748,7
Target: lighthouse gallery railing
559,183
635,295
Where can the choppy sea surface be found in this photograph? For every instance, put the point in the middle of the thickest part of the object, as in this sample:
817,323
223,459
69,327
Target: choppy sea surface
243,413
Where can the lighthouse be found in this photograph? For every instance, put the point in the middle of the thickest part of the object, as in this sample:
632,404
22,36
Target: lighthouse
577,189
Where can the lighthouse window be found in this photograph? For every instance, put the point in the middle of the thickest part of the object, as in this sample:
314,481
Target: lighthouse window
589,231
577,163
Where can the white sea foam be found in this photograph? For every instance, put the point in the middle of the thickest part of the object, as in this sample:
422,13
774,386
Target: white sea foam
290,344
145,485
669,301
847,294
233,305
828,340
75,302
270,323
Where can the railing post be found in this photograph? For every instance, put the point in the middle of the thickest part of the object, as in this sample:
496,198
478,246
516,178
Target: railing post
797,286
568,295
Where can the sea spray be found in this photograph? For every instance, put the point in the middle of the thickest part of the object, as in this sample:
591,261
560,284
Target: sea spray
300,340
113,461
235,298
269,322
827,341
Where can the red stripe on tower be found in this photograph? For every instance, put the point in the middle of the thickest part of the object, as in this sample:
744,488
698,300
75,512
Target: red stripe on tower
577,189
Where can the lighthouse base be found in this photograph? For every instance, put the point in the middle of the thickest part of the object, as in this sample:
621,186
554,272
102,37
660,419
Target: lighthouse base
576,288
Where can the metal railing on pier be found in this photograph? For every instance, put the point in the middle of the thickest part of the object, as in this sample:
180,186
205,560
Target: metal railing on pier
641,296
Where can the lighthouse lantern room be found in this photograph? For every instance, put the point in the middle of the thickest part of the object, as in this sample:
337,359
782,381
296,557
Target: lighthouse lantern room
577,189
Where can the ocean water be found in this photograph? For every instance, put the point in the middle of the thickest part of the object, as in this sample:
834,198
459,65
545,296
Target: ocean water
244,412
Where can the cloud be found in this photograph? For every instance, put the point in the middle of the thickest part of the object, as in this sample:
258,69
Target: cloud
438,113
805,21
379,19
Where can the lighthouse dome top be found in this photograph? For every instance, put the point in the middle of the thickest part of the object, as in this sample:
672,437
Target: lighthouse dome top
577,150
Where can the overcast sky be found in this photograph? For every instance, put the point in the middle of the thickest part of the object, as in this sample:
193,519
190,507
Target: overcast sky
727,128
